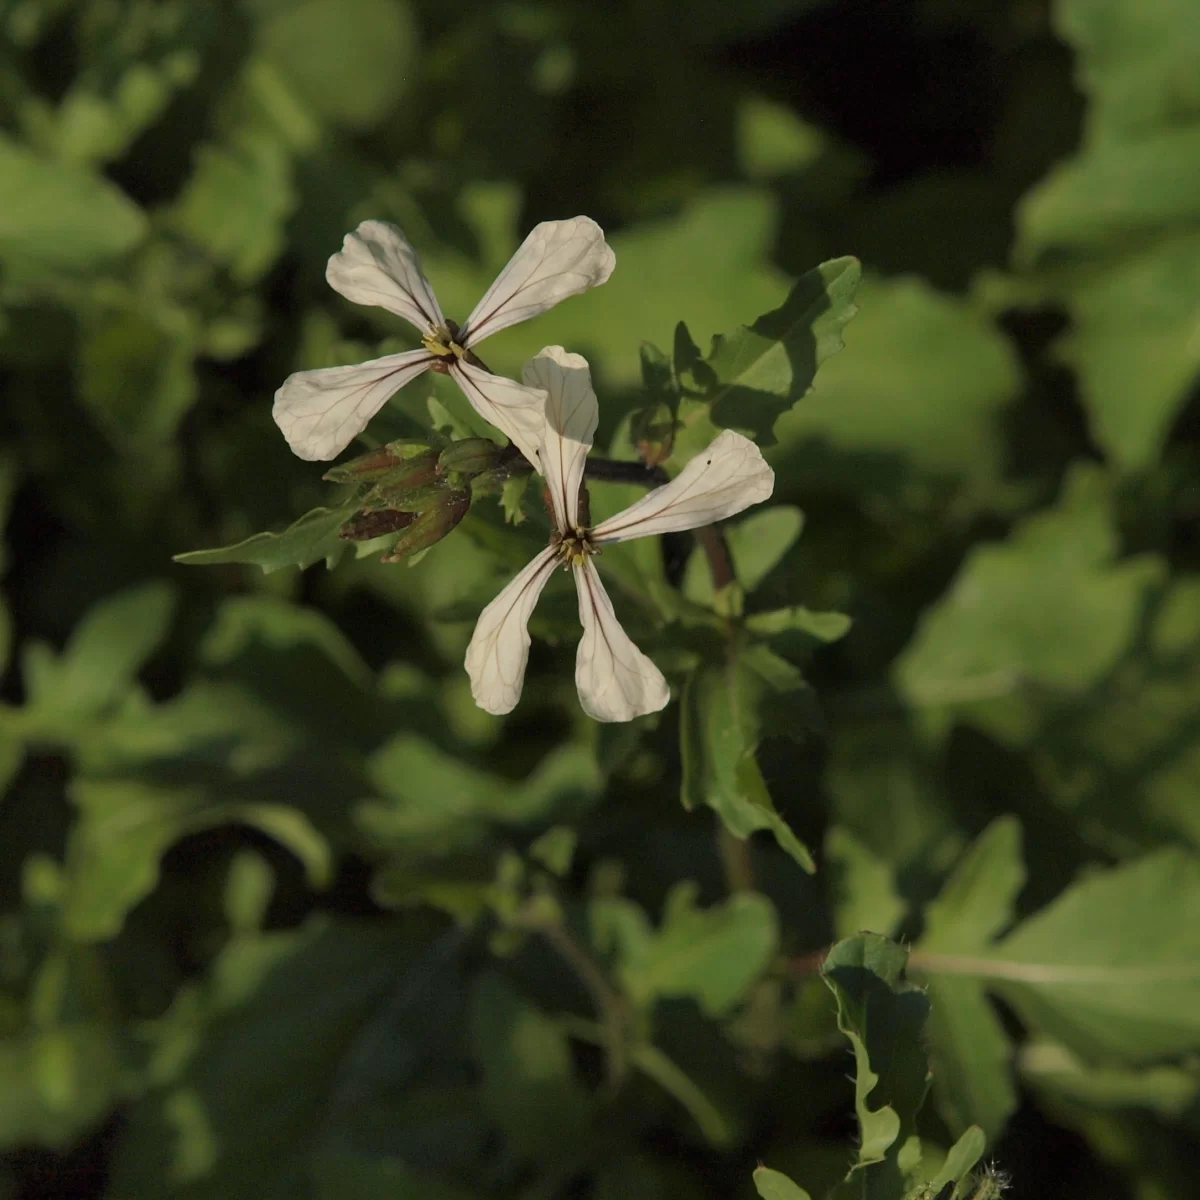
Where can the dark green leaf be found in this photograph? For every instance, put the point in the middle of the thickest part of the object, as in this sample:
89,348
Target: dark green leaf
307,540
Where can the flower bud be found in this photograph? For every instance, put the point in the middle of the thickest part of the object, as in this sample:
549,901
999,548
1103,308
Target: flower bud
407,495
364,526
429,527
378,462
469,456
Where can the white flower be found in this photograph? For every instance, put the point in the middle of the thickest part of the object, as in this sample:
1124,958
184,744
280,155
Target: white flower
616,681
321,412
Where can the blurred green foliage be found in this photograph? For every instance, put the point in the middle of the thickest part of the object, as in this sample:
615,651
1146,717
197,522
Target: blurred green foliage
285,914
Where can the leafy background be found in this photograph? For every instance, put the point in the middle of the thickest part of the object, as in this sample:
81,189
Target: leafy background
285,915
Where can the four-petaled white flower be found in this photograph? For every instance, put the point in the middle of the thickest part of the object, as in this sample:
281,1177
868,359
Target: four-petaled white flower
320,412
616,681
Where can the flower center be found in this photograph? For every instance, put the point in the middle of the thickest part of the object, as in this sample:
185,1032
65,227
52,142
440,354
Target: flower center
574,547
442,340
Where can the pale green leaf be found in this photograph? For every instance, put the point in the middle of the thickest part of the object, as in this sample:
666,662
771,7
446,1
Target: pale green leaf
924,382
773,1185
55,216
961,1159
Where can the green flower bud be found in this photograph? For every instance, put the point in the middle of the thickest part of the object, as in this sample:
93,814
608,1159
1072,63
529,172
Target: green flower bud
364,526
407,495
379,462
429,527
469,456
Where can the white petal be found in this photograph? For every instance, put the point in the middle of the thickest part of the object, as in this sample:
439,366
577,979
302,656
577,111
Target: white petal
558,259
616,681
720,481
518,412
499,646
376,265
322,412
571,416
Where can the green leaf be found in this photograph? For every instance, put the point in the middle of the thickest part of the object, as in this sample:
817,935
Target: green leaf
1115,192
969,1049
773,140
1135,60
247,626
1168,1091
307,540
772,1185
1048,608
961,1159
1133,345
251,174
883,1016
823,626
137,378
55,216
1121,217
356,1024
759,371
976,903
56,1084
124,828
864,887
555,849
351,60
1102,971
99,664
720,728
406,771
923,383
712,955
529,1085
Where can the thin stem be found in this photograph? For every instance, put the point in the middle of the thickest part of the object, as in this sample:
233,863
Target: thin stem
608,1002
716,549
